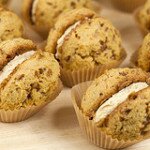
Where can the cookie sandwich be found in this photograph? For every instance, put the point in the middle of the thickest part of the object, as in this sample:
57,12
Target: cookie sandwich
113,110
29,79
42,14
141,58
142,16
11,25
85,45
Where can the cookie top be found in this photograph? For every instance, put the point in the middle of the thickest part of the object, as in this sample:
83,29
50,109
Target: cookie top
143,60
36,12
11,25
84,40
144,16
108,84
11,48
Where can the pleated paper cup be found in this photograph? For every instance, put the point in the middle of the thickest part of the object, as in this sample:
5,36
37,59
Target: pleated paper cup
91,131
127,5
143,29
17,115
71,78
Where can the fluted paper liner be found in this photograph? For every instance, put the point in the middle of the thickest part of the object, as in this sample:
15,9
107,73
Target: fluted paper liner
93,133
127,5
21,114
143,29
71,78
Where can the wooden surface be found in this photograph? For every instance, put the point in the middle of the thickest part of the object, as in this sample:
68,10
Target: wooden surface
56,126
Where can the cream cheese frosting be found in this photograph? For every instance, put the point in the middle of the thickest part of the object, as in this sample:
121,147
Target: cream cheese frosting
62,38
33,11
8,69
105,109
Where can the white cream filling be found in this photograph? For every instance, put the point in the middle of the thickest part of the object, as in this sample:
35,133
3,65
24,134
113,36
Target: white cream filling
33,11
118,98
62,38
8,69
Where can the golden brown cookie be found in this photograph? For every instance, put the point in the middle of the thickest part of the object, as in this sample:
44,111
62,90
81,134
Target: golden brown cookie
81,39
143,16
42,14
11,25
118,102
143,55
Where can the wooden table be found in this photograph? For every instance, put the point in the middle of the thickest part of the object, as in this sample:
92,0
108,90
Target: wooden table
56,126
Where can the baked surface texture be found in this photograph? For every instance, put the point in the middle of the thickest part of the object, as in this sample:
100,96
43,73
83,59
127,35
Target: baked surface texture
11,25
144,15
10,48
143,60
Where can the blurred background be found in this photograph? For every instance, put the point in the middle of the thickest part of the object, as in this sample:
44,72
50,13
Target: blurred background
122,5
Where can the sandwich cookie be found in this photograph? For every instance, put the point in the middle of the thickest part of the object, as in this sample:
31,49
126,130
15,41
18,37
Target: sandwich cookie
42,14
82,40
118,103
29,79
142,16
